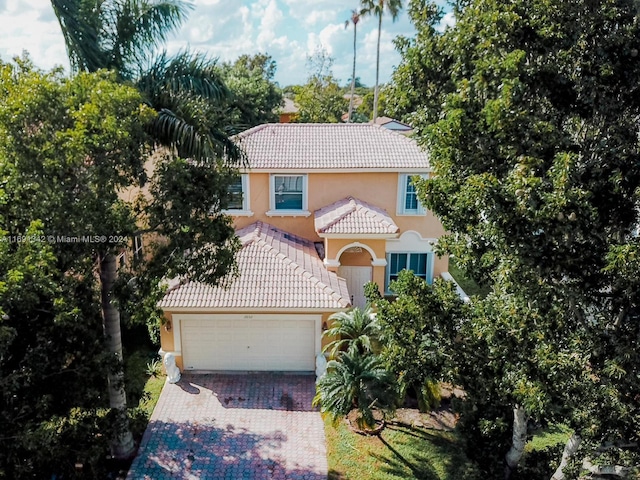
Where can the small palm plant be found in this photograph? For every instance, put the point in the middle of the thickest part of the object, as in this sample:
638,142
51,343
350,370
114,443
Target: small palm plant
360,382
355,330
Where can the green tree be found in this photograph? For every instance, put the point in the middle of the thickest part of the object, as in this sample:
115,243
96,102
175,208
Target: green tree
355,329
255,96
185,91
419,330
73,155
533,139
356,381
321,99
378,8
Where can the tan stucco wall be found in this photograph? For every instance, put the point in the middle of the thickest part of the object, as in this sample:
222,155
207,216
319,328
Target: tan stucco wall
334,245
325,320
377,188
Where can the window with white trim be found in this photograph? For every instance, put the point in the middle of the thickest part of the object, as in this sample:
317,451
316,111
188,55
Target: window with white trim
239,194
289,193
137,247
408,203
421,264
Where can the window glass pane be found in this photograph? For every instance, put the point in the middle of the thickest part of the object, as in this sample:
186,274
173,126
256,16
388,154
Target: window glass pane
411,198
398,262
418,264
236,195
289,192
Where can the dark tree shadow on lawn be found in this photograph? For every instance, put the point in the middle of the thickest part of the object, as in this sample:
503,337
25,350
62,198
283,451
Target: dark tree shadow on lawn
207,451
415,460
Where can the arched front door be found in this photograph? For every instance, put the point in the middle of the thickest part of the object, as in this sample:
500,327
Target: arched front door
356,277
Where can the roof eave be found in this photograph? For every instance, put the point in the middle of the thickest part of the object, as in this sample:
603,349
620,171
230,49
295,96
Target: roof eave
371,236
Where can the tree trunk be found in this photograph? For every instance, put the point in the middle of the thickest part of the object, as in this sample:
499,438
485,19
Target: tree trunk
122,443
376,90
569,451
518,441
353,75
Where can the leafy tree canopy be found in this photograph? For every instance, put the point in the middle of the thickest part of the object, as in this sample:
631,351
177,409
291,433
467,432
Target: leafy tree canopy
75,187
530,113
320,100
255,96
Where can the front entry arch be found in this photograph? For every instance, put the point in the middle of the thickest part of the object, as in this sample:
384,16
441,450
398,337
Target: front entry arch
356,277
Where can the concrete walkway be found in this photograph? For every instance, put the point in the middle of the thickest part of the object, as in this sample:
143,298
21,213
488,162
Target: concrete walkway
253,426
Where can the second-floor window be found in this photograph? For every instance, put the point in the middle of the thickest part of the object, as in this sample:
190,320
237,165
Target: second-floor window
239,194
408,203
289,192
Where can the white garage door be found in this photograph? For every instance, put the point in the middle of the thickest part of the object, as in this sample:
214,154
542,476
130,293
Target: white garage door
249,342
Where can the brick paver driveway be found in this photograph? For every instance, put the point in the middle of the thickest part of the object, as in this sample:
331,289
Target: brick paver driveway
254,426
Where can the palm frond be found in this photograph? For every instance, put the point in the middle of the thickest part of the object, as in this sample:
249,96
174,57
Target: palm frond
188,141
193,73
81,34
139,27
116,34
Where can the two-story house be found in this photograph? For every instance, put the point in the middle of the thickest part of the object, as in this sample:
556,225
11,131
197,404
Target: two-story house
320,210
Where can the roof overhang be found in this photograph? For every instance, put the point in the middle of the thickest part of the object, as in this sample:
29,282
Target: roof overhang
359,236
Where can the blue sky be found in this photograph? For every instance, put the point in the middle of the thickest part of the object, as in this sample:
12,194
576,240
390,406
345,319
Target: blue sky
288,30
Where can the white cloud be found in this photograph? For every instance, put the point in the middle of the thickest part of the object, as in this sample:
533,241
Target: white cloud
269,24
318,16
46,47
288,30
449,20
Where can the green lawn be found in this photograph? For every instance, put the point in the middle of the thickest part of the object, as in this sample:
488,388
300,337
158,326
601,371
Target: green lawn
467,284
400,452
143,378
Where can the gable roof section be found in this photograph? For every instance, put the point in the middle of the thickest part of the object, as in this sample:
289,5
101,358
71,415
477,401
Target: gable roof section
330,146
276,270
351,216
393,124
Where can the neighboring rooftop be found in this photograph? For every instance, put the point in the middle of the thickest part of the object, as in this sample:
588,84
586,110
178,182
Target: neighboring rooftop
277,270
330,146
289,106
351,216
395,125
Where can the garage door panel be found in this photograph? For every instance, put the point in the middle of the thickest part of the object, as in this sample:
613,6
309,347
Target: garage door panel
249,343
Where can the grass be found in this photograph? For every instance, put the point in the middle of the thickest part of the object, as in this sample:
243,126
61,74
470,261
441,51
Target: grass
549,437
143,377
400,452
467,284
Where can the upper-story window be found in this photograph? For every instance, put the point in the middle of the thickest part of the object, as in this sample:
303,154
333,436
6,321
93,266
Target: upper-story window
408,203
239,196
137,247
288,195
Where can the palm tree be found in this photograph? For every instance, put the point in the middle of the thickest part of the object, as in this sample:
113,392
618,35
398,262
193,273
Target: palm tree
356,330
121,35
377,8
356,381
355,18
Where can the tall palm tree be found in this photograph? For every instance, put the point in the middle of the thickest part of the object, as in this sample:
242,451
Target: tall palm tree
356,330
355,18
122,35
377,8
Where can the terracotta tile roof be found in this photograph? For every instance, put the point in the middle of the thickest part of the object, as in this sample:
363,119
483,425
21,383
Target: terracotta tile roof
311,146
277,270
353,216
